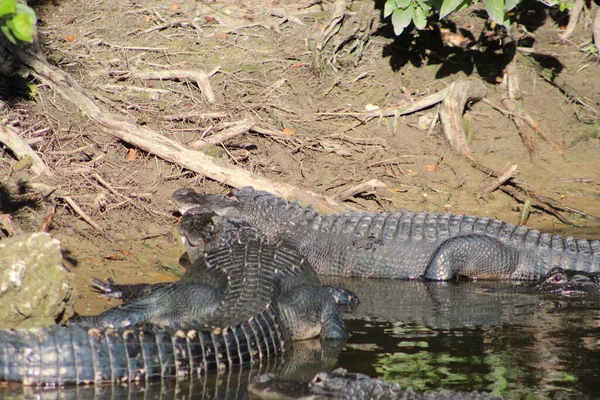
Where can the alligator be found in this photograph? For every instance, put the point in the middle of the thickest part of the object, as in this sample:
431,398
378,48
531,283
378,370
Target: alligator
340,384
201,232
561,281
239,304
401,245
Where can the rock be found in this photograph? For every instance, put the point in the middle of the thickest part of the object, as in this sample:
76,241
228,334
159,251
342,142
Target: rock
35,288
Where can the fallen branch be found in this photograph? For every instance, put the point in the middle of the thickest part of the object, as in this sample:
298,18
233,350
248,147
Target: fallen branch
21,150
82,213
163,147
506,175
368,186
239,128
413,107
199,76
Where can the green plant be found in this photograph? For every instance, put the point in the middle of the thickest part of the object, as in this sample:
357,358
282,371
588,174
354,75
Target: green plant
17,21
403,12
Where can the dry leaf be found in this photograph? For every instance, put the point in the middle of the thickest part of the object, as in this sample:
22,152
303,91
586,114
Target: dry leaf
220,35
131,154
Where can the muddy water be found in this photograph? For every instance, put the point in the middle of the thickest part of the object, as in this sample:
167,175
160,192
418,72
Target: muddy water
465,336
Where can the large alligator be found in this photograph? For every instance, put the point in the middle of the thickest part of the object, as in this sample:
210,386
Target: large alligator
239,304
340,384
402,245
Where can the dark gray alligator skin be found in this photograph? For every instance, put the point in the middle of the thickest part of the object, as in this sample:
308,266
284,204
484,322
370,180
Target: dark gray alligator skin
340,384
266,302
402,245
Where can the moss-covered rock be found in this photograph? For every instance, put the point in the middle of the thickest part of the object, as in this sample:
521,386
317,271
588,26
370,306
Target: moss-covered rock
35,288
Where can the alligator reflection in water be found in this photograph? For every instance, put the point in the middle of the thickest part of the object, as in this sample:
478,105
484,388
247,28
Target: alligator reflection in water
302,361
459,336
475,336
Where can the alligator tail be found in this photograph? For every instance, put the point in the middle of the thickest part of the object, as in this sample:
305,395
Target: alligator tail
77,355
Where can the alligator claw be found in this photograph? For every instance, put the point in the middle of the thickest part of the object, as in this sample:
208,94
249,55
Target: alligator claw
109,289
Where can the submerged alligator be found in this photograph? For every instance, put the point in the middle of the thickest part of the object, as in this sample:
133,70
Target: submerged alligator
237,305
566,282
401,245
340,384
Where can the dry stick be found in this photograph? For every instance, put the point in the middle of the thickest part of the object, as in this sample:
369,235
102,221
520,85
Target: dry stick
49,217
82,213
556,80
451,111
368,186
413,107
573,18
11,139
506,175
199,76
163,147
194,116
239,128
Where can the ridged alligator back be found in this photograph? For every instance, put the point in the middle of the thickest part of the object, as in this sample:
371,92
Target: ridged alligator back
247,328
402,244
75,355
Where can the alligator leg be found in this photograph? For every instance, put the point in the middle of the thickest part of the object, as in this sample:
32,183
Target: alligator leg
112,290
169,305
311,311
473,256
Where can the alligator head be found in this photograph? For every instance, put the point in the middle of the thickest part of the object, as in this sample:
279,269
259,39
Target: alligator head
560,281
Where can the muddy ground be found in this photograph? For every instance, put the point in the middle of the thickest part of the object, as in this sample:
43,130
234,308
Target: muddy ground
260,54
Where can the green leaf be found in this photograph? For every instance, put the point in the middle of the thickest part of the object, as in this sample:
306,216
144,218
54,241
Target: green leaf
419,18
510,4
22,8
403,4
401,19
449,6
389,7
495,10
7,7
7,33
22,27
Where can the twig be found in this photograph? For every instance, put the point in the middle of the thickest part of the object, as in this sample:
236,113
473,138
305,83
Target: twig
82,213
20,149
109,187
49,217
557,81
368,186
166,148
199,76
191,117
239,128
506,175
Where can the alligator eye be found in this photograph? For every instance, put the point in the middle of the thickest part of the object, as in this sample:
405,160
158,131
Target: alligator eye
558,278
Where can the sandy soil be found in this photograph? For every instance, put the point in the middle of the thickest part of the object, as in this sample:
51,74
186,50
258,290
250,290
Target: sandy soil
260,53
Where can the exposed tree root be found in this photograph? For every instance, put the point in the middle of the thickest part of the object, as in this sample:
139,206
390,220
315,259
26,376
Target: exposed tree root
596,30
573,18
22,151
170,150
459,93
